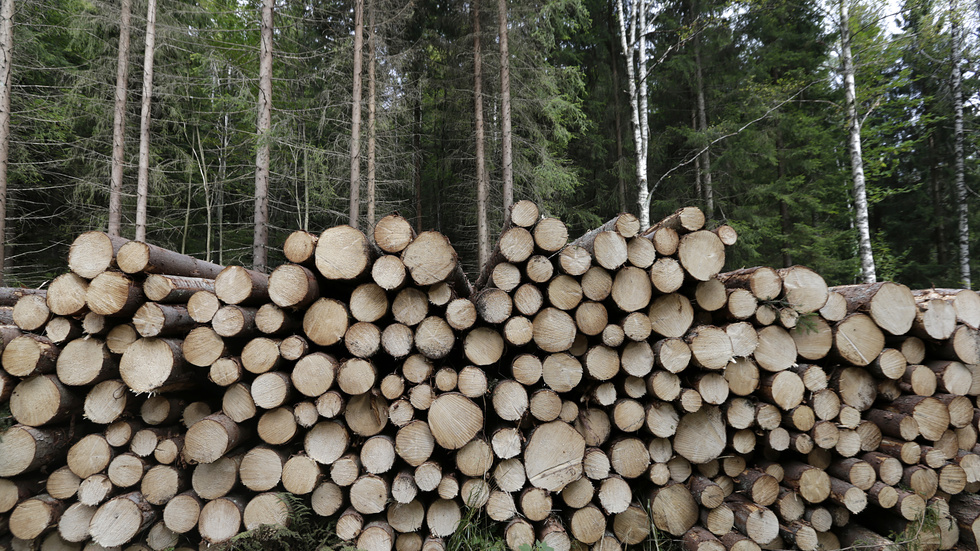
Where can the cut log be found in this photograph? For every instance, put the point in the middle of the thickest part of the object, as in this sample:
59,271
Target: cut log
202,306
174,289
221,519
701,254
66,295
430,259
32,517
30,354
701,436
42,400
31,312
890,305
157,320
113,294
326,321
673,509
393,233
136,257
805,290
293,286
120,519
92,253
764,283
156,365
239,285
857,339
211,438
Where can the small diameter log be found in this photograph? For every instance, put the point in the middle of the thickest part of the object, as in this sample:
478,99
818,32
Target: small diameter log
934,319
114,294
673,509
136,257
931,414
963,345
890,305
431,259
299,247
172,289
764,283
393,233
239,285
671,315
156,365
120,519
30,354
388,272
757,522
701,436
156,320
32,517
293,286
221,519
325,321
31,312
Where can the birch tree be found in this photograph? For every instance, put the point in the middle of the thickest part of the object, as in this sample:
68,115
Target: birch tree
6,49
956,85
632,29
119,120
355,127
854,148
506,138
143,174
261,212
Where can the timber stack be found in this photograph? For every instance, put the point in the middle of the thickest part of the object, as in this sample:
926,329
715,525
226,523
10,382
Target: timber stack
579,394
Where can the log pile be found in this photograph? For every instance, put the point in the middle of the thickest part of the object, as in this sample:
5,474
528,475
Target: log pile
578,393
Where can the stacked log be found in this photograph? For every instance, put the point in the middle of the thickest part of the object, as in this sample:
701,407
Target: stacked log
578,393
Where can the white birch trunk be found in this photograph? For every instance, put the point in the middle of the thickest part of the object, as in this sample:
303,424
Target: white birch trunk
261,214
143,175
6,58
963,228
854,146
506,133
640,43
119,121
482,229
627,37
355,127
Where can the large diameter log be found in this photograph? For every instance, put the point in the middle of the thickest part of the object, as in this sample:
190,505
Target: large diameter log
430,258
92,253
755,521
30,354
119,520
890,305
24,449
202,306
858,340
31,312
393,233
963,345
934,319
702,254
299,247
701,436
671,315
553,456
811,482
673,509
454,420
239,285
155,365
554,330
293,286
32,517
42,400
326,321
211,438
86,361
221,519
114,294
804,290
931,414
66,295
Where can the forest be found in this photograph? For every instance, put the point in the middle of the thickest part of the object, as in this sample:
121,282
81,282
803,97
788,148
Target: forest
836,134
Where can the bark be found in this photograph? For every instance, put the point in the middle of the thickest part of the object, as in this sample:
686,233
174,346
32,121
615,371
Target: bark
963,228
355,129
506,133
709,200
854,147
482,229
372,120
261,213
628,41
143,178
119,120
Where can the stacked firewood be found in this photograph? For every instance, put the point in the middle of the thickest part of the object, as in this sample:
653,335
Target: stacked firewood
579,393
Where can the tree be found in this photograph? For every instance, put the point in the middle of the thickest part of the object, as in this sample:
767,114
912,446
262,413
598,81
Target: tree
956,83
355,127
261,214
6,61
854,148
372,118
143,174
482,229
506,133
119,120
632,35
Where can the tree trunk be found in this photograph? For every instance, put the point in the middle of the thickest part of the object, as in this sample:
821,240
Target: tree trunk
372,122
119,121
355,127
854,146
506,133
6,47
963,228
261,213
143,178
482,229
709,200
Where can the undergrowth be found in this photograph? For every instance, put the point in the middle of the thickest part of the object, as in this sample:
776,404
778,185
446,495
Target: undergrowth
305,531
